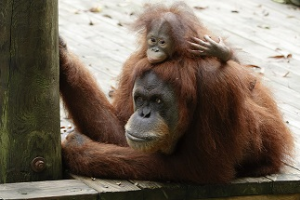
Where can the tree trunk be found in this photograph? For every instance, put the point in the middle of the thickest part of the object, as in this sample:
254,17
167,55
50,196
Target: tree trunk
29,96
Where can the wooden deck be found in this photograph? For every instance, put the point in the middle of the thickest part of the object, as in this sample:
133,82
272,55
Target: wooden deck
263,33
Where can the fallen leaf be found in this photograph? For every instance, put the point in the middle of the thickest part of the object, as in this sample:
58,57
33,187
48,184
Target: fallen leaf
107,16
264,26
286,54
119,183
254,66
200,7
290,16
277,56
285,75
280,56
95,9
112,91
235,11
91,23
265,13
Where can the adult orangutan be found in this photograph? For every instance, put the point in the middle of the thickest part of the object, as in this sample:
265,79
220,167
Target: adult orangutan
201,119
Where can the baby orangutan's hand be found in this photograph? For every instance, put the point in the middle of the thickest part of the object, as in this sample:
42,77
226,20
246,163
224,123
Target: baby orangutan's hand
210,48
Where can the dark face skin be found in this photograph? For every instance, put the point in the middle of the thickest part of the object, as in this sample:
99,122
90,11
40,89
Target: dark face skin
159,43
152,126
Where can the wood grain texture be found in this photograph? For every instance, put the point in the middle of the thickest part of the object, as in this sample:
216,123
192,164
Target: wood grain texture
162,191
63,189
29,97
260,197
112,189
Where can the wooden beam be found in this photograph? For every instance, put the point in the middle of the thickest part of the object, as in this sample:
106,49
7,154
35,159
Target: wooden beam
29,95
117,190
62,189
113,189
277,184
260,197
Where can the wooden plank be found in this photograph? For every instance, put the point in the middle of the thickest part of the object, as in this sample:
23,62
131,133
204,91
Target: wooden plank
238,187
162,191
282,75
281,9
255,20
112,189
62,189
120,189
260,197
289,169
255,40
285,183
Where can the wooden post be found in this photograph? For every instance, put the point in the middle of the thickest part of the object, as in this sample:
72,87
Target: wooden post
29,94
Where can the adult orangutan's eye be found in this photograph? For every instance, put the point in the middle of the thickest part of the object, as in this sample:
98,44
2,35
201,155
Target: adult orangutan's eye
158,100
139,101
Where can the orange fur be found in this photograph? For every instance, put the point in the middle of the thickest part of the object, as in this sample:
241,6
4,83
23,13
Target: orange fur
228,128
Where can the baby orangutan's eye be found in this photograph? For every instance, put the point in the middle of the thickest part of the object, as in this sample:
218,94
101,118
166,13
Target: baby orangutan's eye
151,41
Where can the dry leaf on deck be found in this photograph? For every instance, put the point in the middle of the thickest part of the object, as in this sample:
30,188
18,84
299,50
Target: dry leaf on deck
277,56
200,7
265,13
254,66
264,26
95,9
285,75
107,16
282,56
290,16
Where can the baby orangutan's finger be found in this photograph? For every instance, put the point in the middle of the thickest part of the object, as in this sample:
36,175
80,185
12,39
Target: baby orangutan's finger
201,42
195,46
211,41
198,52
